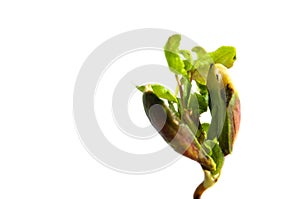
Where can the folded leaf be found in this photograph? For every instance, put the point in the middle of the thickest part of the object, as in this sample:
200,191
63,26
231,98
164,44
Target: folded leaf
233,112
217,102
231,125
177,134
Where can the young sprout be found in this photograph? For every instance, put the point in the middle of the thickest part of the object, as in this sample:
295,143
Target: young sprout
178,121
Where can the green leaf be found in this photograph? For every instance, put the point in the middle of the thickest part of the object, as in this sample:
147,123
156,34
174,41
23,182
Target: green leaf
176,65
141,88
162,92
205,126
202,89
225,55
217,103
201,65
201,135
180,109
187,86
197,105
203,59
218,157
187,55
173,43
215,152
200,52
202,103
187,65
171,49
202,132
193,105
193,110
188,62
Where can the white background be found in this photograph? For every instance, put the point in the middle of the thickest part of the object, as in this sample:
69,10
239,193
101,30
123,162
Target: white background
43,45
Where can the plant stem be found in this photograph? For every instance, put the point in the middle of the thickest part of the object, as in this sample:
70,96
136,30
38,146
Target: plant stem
209,181
191,76
199,191
180,91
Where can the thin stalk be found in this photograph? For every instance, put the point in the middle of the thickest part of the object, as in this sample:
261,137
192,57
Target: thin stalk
209,181
199,191
180,91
